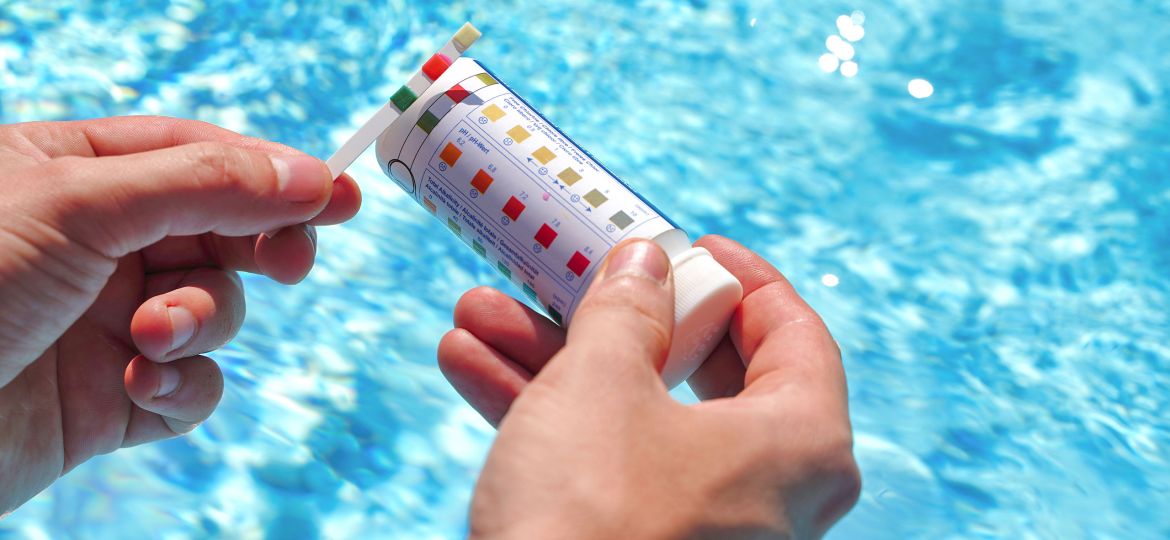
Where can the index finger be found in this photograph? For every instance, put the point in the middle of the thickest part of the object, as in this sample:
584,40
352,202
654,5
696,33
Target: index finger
782,339
122,135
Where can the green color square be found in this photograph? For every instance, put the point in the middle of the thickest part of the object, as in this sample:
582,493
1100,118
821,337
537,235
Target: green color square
403,98
595,198
528,290
428,122
504,269
478,247
487,79
455,228
556,315
621,219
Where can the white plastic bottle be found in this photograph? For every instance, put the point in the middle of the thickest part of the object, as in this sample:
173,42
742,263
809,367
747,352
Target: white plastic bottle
539,208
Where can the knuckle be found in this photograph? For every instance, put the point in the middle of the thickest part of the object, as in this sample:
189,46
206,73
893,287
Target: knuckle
63,167
225,168
843,478
210,165
831,462
657,332
628,289
639,302
840,468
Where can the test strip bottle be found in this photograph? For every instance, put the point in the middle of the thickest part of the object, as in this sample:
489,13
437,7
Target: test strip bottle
537,207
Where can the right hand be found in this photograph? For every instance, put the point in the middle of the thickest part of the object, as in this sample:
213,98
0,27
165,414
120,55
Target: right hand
591,445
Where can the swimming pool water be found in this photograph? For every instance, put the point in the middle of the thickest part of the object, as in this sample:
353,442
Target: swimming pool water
992,257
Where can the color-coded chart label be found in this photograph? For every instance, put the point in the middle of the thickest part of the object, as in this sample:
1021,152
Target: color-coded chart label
510,185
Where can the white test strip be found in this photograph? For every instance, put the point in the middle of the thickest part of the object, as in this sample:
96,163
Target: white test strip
368,133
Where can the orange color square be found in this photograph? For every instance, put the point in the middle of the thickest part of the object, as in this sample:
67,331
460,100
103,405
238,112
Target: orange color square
450,154
482,181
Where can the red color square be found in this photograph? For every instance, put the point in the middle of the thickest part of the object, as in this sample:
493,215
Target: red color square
513,208
578,263
435,67
481,181
450,154
457,94
545,236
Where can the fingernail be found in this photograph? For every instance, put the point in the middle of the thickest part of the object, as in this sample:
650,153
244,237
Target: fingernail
168,380
311,232
641,258
182,326
300,178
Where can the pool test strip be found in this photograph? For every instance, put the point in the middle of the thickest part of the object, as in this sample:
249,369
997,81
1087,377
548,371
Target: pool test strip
536,206
402,99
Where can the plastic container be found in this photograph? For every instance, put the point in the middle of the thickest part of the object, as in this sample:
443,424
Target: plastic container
540,209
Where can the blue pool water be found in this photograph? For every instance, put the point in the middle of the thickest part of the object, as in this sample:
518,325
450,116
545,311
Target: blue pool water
992,258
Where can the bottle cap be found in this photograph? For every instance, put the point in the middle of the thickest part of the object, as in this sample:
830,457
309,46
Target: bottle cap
705,297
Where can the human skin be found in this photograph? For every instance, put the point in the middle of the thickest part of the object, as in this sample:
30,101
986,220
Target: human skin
120,240
119,243
591,445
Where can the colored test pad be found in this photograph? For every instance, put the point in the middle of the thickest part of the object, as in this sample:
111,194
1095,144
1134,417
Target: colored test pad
569,177
493,113
595,198
545,236
466,35
402,99
435,67
428,121
578,263
543,155
450,154
621,219
519,134
457,93
513,208
482,181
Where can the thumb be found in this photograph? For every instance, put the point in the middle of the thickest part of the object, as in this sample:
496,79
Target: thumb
620,335
120,204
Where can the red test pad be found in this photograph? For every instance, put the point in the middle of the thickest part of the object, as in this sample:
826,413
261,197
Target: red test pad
578,263
457,94
482,181
545,236
435,67
513,208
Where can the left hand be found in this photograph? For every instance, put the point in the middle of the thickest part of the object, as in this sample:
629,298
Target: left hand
120,240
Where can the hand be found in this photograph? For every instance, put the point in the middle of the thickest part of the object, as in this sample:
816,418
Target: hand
590,444
119,243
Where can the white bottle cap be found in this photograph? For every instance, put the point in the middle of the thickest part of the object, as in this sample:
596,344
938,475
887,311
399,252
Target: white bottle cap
705,297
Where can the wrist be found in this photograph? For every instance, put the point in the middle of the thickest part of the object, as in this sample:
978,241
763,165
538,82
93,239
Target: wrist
585,522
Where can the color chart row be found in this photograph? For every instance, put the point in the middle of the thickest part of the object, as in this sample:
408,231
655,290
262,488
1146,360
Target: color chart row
568,176
545,235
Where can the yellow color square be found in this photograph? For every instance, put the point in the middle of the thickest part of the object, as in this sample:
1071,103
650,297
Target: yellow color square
518,134
544,155
569,177
493,112
486,79
595,198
